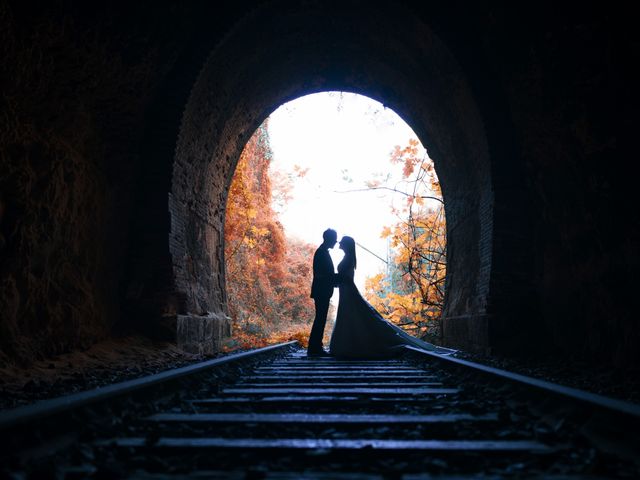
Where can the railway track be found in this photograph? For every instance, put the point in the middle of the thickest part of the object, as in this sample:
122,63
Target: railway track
274,413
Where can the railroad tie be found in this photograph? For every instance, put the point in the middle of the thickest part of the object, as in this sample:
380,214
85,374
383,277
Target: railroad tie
300,404
273,413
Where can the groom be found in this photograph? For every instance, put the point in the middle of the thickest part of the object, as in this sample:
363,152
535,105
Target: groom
324,281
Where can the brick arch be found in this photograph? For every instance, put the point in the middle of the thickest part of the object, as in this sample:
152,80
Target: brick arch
264,63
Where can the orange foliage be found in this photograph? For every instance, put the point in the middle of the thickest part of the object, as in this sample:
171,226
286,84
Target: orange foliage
268,275
411,293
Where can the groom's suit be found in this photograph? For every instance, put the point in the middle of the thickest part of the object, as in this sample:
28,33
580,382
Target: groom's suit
324,281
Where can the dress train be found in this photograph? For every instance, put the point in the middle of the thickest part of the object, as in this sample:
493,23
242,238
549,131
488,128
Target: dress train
361,332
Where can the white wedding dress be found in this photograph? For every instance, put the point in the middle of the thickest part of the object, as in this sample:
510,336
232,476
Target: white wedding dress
361,332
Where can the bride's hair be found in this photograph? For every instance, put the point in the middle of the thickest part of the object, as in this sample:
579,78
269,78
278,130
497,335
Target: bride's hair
349,247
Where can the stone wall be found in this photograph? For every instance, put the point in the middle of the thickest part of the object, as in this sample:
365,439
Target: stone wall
79,84
71,106
573,104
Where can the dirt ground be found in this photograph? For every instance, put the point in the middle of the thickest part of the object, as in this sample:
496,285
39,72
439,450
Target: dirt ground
104,363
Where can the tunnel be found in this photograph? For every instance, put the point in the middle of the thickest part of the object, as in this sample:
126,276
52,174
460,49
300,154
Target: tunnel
124,125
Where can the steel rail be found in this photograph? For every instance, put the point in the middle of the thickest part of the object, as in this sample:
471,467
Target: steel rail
46,408
593,399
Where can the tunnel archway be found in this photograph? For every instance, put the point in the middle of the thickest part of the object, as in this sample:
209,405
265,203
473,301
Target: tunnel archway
86,234
408,69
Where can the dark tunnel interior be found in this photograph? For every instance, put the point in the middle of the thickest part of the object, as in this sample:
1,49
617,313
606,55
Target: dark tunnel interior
122,125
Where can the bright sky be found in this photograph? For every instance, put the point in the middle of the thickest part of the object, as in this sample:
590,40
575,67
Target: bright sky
337,135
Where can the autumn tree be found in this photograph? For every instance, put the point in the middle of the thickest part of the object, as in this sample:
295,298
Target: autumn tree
411,292
268,275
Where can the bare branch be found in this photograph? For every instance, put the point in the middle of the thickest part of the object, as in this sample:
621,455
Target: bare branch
395,190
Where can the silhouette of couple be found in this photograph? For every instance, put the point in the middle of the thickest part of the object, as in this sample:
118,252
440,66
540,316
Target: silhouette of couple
360,331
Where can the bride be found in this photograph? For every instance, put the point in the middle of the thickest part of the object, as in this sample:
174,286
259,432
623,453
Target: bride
360,331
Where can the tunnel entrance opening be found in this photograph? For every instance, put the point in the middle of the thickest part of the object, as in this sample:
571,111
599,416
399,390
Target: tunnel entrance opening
412,72
239,87
344,161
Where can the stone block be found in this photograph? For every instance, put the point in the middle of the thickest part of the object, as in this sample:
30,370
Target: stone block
202,334
469,332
